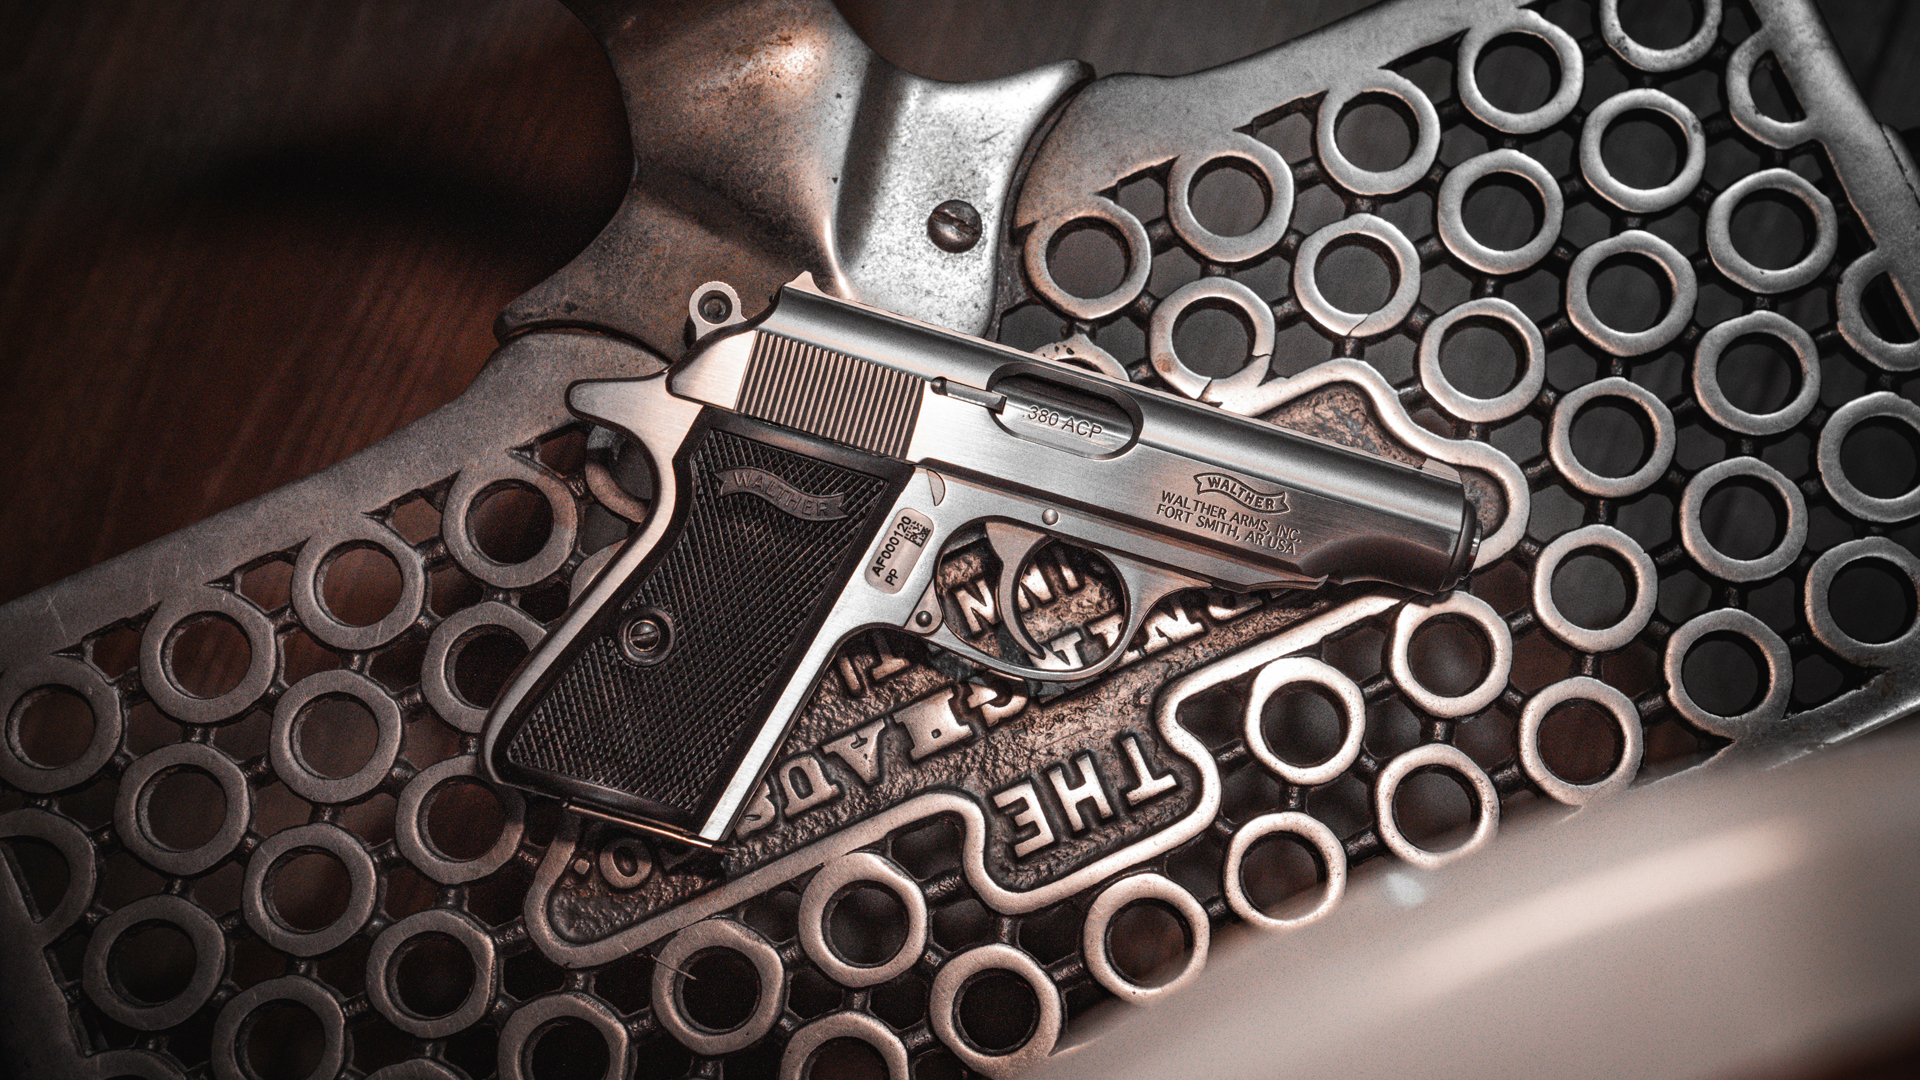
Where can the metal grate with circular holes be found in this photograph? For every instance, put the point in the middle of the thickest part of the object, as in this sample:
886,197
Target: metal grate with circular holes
268,851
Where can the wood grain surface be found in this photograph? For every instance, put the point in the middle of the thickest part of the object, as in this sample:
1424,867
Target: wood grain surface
240,241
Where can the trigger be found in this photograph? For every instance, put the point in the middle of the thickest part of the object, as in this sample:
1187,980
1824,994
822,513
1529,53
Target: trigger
1145,585
1014,544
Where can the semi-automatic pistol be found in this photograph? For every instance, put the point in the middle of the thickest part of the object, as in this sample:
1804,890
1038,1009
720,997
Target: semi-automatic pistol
811,467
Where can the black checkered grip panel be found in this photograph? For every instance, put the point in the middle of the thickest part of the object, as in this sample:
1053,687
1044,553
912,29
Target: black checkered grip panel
745,585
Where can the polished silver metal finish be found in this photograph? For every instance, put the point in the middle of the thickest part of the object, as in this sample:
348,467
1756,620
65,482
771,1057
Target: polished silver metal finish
1452,206
1173,494
816,903
943,1006
1637,200
1643,588
1095,943
797,1059
1617,707
1439,757
1681,283
670,978
1328,852
1171,728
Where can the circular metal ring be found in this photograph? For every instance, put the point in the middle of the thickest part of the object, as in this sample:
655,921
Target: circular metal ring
436,668
1486,803
229,1028
284,750
382,972
1883,404
1638,200
410,827
416,1069
589,569
1892,356
1451,214
1210,291
1332,855
132,812
1646,588
1573,73
316,554
1426,135
843,873
209,962
668,981
1478,410
1560,439
1742,271
1413,615
1135,246
156,669
1275,178
1779,134
362,888
943,1009
1713,397
1080,352
1693,530
17,689
523,1030
132,1064
67,838
1819,605
1290,671
1779,664
1672,59
1116,898
806,1042
1679,275
1383,235
1580,688
455,528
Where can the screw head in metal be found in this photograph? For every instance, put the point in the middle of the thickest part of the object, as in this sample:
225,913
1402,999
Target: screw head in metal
925,618
715,307
643,639
1050,516
954,226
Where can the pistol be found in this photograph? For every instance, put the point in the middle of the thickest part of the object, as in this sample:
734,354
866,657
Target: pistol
810,469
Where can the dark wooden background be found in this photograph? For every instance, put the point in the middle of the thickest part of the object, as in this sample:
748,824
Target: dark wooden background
240,241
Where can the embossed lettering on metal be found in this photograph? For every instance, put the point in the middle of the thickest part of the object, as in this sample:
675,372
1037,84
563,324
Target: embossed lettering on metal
1266,502
783,496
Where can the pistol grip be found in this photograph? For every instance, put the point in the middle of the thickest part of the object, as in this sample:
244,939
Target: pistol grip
657,705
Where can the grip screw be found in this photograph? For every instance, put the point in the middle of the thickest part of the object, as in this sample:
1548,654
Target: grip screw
715,307
643,639
954,226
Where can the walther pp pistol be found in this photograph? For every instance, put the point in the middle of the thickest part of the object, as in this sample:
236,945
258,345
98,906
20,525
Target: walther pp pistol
809,471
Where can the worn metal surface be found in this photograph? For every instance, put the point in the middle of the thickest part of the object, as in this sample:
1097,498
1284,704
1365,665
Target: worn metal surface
1014,820
769,141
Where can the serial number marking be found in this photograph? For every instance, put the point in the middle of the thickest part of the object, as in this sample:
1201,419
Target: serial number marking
900,552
